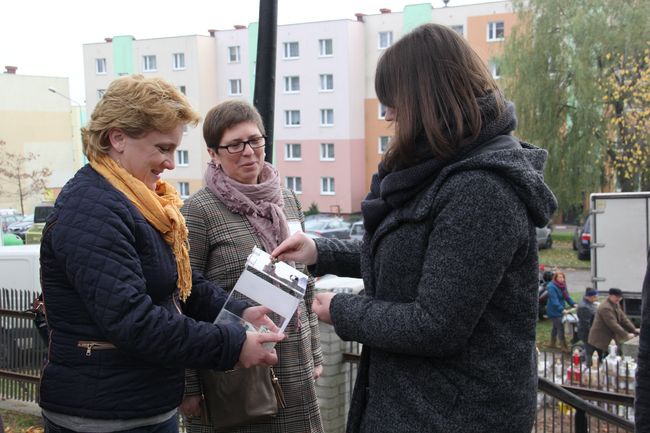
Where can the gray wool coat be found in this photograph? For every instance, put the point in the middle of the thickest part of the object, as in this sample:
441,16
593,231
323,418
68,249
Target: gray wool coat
642,400
447,319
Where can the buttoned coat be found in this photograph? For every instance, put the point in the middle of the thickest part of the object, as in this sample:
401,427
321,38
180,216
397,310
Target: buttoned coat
610,323
448,316
220,242
642,400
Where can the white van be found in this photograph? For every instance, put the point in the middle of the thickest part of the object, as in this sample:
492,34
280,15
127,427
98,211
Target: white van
20,267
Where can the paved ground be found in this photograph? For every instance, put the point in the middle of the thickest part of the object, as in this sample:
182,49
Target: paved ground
578,280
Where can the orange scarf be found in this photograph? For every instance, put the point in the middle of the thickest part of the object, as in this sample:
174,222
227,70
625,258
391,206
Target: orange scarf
160,208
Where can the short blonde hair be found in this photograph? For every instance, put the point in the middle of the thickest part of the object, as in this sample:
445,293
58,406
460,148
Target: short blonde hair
136,105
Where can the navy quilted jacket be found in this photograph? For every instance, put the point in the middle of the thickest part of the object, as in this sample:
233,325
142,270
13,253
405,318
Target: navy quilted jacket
118,340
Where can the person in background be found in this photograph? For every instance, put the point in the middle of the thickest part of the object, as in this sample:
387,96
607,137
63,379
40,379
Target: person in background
117,282
586,312
449,258
244,205
557,296
610,323
642,388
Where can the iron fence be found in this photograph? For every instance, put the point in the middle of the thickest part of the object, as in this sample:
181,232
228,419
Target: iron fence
22,350
571,398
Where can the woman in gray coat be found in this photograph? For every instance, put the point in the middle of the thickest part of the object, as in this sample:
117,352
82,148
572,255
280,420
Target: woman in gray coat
449,259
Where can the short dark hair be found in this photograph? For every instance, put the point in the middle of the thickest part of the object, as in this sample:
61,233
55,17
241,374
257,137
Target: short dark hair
616,292
432,77
226,115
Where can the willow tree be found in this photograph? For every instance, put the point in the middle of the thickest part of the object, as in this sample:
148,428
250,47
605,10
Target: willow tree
626,117
553,68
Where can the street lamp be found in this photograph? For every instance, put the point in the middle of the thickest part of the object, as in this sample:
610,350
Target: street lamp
76,139
56,92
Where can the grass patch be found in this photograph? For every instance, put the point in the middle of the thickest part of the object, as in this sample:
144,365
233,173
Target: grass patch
562,236
16,422
562,255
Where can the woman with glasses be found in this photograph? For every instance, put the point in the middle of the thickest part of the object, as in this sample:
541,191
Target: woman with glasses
242,206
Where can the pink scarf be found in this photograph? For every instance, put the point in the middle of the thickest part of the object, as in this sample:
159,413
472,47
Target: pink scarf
261,203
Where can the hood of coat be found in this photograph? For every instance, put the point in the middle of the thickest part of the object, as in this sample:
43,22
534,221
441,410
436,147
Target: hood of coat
519,163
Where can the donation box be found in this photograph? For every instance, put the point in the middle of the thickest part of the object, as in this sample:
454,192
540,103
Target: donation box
266,282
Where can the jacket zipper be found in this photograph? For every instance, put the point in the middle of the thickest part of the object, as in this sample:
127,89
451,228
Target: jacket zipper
175,302
95,345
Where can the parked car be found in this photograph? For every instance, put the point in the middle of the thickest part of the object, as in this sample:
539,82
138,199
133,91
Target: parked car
357,230
582,240
544,238
33,235
333,283
8,217
11,239
19,228
313,235
328,227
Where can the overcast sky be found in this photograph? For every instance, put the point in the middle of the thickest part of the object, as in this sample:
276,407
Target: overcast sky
45,37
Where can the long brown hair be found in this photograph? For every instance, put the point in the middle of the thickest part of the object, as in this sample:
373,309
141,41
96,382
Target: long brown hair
432,77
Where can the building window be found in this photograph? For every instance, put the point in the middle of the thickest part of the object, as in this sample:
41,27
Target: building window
458,29
292,152
179,61
184,189
291,50
234,87
294,183
327,186
149,63
182,157
326,82
325,47
182,90
292,118
385,39
292,84
100,66
495,69
495,31
327,151
100,93
233,54
381,111
383,144
326,117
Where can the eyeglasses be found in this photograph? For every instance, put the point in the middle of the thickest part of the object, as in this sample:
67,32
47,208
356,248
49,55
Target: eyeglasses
239,146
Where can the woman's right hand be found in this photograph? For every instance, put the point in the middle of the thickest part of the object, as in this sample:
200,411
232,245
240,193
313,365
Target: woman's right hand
191,405
298,248
254,352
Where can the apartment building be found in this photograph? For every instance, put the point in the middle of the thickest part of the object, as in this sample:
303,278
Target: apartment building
38,117
329,131
190,62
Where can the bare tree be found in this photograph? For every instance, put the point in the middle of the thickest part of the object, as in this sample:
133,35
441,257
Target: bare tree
21,181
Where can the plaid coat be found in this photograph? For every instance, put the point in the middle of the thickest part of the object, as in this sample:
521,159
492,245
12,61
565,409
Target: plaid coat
220,242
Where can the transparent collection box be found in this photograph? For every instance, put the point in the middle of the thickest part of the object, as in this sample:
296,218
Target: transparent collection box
265,282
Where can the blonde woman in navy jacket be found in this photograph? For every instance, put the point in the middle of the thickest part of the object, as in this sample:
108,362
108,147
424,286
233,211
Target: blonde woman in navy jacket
117,282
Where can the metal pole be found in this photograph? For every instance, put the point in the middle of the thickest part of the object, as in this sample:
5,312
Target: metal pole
264,96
